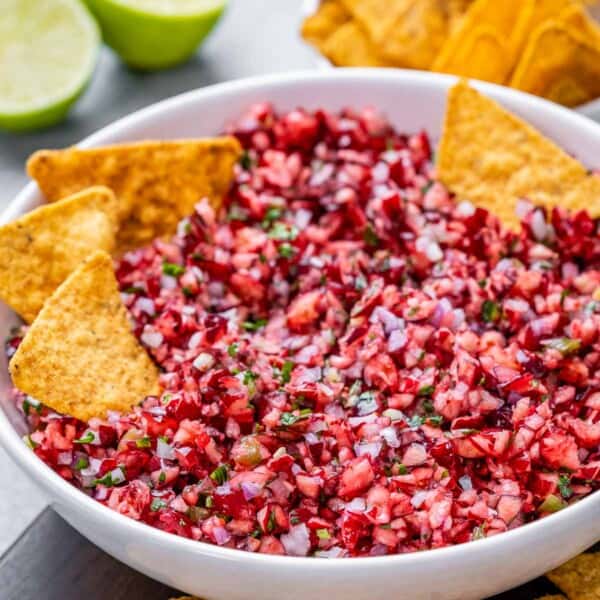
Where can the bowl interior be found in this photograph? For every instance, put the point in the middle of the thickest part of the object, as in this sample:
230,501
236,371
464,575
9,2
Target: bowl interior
411,100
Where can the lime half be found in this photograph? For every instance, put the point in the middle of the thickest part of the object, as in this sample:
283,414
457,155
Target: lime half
48,50
155,34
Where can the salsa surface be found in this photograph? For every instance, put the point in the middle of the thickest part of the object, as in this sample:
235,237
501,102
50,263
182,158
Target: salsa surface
353,362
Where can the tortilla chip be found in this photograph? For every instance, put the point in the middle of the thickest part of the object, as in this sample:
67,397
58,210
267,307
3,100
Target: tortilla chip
576,18
40,249
493,158
349,46
406,33
579,578
510,26
552,597
79,357
482,54
456,11
156,183
317,28
559,64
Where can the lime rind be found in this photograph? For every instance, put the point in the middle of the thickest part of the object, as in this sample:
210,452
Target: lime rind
148,40
20,108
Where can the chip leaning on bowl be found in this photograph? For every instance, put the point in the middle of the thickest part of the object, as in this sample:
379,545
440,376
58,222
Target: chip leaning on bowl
550,48
79,355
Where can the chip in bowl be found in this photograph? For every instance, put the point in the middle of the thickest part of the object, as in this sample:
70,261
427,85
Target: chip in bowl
80,357
40,249
494,159
156,183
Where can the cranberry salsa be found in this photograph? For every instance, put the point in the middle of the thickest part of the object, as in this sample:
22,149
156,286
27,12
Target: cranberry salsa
353,363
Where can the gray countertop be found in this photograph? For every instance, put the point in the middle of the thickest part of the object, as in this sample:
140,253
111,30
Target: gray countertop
254,37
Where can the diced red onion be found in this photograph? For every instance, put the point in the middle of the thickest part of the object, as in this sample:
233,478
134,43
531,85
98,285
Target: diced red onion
250,489
204,361
164,450
221,535
297,541
373,449
152,339
418,499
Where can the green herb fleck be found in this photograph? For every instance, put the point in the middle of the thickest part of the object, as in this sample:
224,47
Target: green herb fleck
143,442
369,236
81,463
246,160
416,421
172,269
88,438
286,371
219,475
426,390
282,232
254,325
157,504
271,523
564,345
288,418
490,311
286,250
232,349
564,487
29,403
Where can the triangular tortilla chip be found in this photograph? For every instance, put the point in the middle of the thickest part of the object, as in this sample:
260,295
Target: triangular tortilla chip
40,249
79,357
579,578
509,25
349,46
317,28
482,54
156,183
561,64
492,158
405,33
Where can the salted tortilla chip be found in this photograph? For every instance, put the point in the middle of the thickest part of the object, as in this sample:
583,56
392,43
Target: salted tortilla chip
492,158
79,357
560,64
349,46
579,578
40,249
156,183
406,33
317,28
510,27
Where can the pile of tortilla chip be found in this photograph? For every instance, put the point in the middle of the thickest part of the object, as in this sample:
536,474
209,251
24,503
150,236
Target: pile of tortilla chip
550,48
79,355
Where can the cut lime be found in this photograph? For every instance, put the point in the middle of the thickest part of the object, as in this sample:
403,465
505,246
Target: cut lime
48,51
155,34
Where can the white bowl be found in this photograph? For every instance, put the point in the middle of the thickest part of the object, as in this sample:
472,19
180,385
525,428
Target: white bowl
412,100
